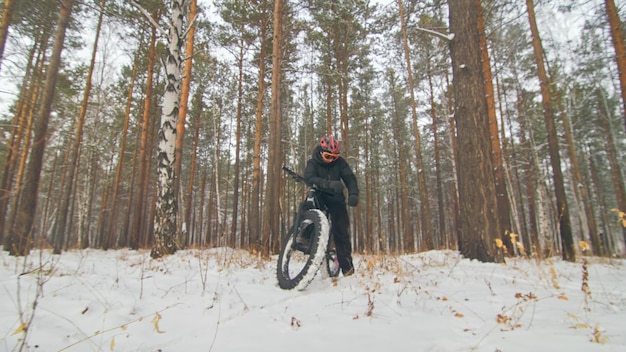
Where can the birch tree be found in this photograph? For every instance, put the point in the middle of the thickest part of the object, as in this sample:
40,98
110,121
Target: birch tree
165,220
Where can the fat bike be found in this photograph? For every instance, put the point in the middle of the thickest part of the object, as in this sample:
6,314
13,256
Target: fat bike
309,243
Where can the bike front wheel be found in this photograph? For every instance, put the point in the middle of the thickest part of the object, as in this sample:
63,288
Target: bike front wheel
299,262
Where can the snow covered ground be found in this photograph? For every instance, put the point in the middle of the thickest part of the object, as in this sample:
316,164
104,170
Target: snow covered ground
226,300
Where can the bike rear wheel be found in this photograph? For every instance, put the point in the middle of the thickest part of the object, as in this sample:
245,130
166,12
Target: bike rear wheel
298,263
332,262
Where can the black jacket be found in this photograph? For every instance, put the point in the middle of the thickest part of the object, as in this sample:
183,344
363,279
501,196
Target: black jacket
318,172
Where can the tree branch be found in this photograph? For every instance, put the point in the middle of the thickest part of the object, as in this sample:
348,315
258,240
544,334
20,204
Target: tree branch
447,37
148,17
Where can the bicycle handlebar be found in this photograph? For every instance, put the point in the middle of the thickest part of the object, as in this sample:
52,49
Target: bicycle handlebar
297,177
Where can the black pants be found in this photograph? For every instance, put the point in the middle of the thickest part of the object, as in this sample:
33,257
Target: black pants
341,222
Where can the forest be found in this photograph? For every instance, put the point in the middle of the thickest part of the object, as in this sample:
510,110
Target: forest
494,127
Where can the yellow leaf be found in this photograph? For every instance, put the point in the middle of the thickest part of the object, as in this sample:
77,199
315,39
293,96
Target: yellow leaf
21,328
112,345
563,297
622,216
498,243
584,245
155,322
458,315
555,283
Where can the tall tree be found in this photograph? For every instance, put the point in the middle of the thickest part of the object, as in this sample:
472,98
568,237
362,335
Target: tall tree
5,22
426,218
478,222
616,173
137,227
254,217
504,208
565,228
271,230
580,191
167,203
24,109
399,108
109,239
182,113
20,239
617,34
59,234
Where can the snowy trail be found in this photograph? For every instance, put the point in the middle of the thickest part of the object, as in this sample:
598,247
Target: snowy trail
227,300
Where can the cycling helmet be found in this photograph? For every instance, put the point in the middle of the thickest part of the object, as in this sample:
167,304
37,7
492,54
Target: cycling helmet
329,144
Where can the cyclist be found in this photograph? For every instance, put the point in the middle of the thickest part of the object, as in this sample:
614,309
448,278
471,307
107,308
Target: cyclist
326,170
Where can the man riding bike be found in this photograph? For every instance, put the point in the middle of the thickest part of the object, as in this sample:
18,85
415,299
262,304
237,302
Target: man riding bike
326,170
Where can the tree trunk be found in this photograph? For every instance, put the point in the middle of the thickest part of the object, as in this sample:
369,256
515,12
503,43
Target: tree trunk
59,235
565,228
20,122
182,114
165,228
426,219
109,239
616,173
579,188
254,218
439,238
23,159
478,226
271,230
21,237
618,44
7,17
531,239
404,217
502,196
596,184
454,189
192,169
137,228
235,212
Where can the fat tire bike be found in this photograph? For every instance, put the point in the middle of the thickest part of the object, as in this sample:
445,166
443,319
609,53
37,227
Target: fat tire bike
309,243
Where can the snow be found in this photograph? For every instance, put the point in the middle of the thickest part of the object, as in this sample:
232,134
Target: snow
228,300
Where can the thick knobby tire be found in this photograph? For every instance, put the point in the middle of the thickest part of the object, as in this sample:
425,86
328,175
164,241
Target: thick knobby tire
296,269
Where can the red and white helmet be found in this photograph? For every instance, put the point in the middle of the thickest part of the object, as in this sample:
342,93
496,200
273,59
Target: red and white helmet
329,144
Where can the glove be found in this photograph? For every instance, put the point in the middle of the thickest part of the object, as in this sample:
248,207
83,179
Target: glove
353,200
335,186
